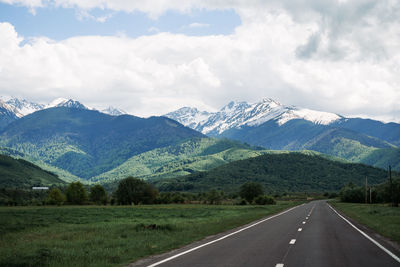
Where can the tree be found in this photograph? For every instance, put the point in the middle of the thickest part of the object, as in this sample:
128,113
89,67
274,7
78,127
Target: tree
98,194
55,197
133,190
214,196
76,193
251,190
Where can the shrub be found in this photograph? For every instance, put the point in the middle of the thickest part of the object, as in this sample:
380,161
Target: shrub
98,194
251,190
55,197
264,200
132,190
76,193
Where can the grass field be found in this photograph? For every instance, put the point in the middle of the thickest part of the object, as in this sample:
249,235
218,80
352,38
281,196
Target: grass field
111,236
382,219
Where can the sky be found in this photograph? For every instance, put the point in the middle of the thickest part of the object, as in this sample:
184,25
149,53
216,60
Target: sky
152,57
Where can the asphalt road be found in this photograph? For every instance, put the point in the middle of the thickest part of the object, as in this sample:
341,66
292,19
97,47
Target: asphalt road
325,239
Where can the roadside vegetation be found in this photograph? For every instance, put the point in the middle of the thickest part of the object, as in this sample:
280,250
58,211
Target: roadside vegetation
112,235
382,218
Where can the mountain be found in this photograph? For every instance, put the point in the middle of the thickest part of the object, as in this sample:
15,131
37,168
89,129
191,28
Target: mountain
7,115
196,154
113,111
190,117
68,103
18,173
282,172
87,143
239,114
274,126
23,107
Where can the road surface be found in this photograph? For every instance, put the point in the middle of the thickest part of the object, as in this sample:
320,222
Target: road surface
309,235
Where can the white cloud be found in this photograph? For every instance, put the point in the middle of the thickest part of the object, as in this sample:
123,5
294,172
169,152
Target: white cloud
338,56
198,25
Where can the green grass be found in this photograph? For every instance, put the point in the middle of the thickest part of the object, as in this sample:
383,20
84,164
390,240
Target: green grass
111,236
381,218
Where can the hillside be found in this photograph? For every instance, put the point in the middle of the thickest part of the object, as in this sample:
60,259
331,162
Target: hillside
87,143
21,174
198,154
282,172
272,125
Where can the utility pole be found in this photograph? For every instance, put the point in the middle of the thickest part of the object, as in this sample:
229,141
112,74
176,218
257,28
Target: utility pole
366,190
391,185
370,195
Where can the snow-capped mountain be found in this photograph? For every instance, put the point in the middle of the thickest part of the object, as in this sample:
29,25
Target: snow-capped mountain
23,107
190,117
69,103
113,111
7,114
239,114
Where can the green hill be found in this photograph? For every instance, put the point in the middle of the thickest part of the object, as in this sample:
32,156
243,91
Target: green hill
278,172
198,154
304,135
87,143
21,174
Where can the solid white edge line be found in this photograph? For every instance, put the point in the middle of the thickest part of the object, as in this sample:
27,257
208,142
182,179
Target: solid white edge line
368,237
221,238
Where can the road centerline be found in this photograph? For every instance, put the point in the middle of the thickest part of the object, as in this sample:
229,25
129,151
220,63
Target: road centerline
222,238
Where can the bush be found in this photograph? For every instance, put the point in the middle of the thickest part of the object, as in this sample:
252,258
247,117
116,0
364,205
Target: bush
215,197
132,190
265,200
251,190
76,193
351,193
98,194
55,197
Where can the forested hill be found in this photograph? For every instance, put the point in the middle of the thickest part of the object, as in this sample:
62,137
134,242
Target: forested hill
21,174
291,172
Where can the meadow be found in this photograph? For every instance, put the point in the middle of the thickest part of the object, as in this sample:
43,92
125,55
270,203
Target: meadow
112,235
381,218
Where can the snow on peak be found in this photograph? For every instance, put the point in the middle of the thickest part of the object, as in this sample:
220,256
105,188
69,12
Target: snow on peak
113,111
317,117
239,114
188,116
23,107
69,103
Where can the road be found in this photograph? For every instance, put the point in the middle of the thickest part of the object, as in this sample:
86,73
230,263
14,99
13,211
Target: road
308,235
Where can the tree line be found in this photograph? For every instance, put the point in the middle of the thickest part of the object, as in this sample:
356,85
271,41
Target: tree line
388,192
134,191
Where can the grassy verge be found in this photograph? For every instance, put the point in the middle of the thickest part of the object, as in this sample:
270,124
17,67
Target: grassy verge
382,219
111,236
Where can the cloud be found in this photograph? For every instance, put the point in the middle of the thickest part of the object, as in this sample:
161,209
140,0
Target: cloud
198,25
153,30
338,56
84,14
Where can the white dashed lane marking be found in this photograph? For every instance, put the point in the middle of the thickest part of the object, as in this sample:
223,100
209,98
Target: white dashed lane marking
292,241
300,229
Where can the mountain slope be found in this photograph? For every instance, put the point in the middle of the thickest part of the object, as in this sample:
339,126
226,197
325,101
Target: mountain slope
7,115
389,132
274,126
23,107
198,154
86,142
293,172
18,173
